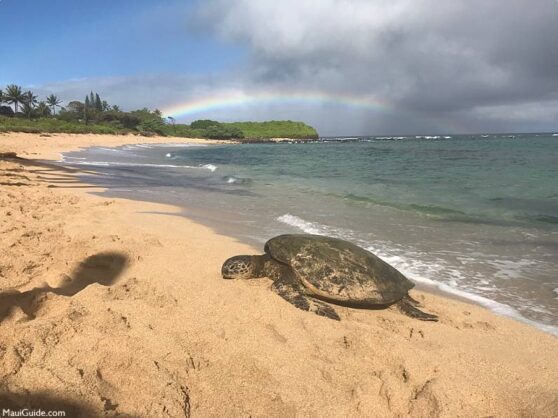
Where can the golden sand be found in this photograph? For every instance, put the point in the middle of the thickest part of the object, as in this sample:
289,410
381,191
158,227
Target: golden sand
116,308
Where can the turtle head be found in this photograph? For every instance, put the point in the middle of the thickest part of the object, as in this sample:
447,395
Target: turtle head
243,267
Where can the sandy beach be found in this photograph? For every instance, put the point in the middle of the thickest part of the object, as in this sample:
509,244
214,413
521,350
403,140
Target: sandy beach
116,308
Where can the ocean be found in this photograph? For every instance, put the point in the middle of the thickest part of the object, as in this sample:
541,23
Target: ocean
474,216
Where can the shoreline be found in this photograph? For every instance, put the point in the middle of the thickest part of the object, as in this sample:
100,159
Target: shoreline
39,146
422,284
204,346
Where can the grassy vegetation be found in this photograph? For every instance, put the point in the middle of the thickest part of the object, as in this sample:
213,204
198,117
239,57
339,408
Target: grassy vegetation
26,113
276,129
50,125
244,130
126,123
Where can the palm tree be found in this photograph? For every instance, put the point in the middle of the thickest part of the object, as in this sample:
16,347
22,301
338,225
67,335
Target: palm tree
30,99
27,110
1,97
14,95
53,102
29,102
43,109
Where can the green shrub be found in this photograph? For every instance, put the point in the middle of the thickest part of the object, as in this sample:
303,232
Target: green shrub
203,124
6,111
69,116
52,125
155,125
223,132
126,120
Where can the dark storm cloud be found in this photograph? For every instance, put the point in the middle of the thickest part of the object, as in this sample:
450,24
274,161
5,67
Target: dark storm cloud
460,60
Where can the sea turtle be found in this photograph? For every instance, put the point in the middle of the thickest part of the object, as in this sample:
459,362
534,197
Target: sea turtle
308,270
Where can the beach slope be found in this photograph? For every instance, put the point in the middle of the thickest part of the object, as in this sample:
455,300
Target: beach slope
112,307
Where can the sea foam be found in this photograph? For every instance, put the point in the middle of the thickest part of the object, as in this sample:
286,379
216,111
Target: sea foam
209,167
153,146
237,180
415,269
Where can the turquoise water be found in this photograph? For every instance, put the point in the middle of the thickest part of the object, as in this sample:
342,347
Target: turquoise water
475,216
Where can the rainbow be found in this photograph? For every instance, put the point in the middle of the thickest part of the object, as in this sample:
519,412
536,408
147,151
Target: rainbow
234,99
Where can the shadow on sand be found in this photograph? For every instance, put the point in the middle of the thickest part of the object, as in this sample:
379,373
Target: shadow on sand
102,268
57,175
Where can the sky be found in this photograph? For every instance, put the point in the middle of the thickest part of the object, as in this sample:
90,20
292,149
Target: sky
347,67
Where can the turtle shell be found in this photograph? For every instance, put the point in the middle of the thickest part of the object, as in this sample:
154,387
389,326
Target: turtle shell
339,271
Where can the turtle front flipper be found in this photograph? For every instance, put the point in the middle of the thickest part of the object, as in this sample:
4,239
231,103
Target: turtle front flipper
406,307
293,294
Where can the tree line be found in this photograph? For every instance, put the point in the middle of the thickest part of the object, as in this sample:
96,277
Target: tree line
26,103
23,111
94,114
92,111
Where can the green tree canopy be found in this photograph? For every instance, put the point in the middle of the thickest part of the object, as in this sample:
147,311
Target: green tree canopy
30,98
223,132
98,103
14,95
43,109
53,101
27,110
203,124
75,106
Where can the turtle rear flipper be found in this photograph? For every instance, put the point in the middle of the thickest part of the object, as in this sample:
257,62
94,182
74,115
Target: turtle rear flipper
293,294
406,307
413,301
